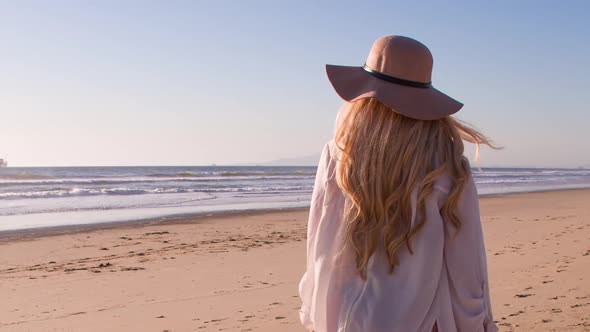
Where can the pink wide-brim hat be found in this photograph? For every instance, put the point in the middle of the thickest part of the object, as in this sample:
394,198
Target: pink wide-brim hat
398,73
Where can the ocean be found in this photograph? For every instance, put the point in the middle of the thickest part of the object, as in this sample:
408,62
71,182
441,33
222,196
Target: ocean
57,196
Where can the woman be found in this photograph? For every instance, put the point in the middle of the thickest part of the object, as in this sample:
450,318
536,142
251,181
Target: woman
394,238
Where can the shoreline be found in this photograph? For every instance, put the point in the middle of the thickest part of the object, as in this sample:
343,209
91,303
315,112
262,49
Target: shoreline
195,219
189,218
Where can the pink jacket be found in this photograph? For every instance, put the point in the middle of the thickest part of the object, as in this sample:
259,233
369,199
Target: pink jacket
444,281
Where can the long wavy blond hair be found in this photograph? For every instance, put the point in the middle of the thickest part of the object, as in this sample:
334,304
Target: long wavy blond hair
384,157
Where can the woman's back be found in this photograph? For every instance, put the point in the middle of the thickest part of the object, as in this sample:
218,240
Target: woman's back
421,291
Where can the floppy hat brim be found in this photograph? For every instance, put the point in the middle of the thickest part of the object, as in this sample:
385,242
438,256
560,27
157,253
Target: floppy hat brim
353,83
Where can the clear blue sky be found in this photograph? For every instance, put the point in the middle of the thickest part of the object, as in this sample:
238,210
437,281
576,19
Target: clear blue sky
200,82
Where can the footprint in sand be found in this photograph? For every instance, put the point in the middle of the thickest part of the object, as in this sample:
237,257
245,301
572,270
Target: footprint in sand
132,268
157,233
516,313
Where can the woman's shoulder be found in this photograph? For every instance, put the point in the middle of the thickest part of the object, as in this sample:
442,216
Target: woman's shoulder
332,149
444,182
331,154
326,167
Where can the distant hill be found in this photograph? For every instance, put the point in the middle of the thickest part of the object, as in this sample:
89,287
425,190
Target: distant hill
311,160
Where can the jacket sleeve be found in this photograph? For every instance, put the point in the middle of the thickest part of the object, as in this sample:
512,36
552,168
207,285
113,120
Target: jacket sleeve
465,257
307,284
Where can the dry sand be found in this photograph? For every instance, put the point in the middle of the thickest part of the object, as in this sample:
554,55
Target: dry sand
240,272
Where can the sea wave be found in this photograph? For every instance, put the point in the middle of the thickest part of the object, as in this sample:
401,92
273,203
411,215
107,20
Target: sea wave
189,174
24,176
77,191
532,173
181,174
105,203
263,173
123,180
87,192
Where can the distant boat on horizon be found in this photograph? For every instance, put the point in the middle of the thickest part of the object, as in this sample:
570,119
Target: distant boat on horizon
3,163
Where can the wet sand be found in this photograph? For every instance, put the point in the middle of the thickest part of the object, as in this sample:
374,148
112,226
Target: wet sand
240,272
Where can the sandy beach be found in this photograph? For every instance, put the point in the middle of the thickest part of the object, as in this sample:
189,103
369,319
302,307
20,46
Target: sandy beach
240,272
